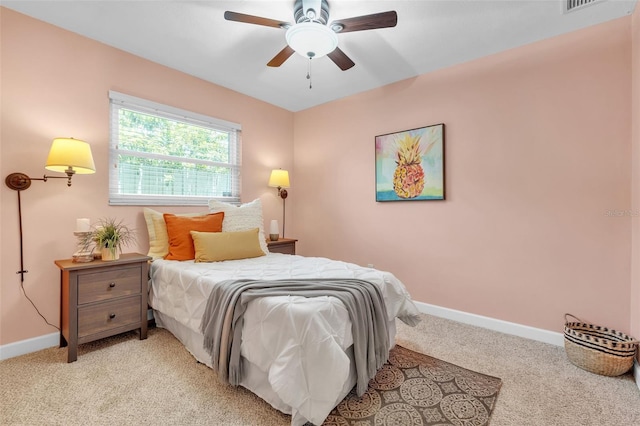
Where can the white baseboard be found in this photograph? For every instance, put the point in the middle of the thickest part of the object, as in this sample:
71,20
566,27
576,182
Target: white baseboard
525,331
49,340
29,345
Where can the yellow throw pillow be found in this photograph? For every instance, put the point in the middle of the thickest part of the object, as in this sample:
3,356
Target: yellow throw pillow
157,230
178,230
218,246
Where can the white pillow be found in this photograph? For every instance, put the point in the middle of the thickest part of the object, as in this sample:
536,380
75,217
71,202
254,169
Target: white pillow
242,218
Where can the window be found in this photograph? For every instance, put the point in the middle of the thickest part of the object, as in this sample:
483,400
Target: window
160,155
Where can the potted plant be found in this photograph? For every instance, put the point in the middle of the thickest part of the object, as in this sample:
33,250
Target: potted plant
111,236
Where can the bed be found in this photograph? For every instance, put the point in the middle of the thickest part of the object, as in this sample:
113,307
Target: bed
296,352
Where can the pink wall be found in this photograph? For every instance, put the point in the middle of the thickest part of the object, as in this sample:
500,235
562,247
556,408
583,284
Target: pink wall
538,146
635,125
56,83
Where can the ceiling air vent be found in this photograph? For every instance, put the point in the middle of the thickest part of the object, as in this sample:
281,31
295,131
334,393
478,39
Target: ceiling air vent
573,5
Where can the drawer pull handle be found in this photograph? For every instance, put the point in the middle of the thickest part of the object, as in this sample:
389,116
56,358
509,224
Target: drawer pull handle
112,285
112,316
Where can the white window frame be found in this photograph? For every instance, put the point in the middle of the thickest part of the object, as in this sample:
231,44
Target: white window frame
120,100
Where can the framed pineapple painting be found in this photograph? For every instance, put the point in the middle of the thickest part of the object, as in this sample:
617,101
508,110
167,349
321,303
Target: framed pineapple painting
410,165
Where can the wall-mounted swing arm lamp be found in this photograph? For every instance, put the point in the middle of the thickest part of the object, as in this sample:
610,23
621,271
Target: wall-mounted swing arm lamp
67,155
280,179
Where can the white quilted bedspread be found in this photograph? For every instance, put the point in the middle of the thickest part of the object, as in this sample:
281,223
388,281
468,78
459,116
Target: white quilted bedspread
299,342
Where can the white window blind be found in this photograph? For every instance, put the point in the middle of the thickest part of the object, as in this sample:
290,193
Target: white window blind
161,155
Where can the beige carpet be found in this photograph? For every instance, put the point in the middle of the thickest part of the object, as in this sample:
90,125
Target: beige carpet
124,381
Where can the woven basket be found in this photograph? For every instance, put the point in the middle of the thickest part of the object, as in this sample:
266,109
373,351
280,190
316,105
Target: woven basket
598,349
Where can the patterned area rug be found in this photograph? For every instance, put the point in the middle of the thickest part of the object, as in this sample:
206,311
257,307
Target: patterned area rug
413,389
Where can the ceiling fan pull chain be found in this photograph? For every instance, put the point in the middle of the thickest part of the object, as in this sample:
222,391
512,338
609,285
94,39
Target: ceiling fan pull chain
309,72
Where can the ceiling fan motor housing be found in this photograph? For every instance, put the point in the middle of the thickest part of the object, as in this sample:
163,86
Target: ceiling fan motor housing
311,11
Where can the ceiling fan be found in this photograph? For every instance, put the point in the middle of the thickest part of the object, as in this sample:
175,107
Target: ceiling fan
311,36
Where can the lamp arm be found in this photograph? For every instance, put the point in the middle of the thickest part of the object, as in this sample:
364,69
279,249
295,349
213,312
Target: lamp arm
20,181
68,177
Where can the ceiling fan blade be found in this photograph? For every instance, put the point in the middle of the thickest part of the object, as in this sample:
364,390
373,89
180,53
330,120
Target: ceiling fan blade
257,20
367,22
282,56
341,59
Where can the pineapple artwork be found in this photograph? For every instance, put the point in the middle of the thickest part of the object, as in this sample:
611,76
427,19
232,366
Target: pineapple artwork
408,179
410,165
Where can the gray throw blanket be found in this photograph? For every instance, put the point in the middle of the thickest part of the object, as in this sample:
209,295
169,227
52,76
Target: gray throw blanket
223,320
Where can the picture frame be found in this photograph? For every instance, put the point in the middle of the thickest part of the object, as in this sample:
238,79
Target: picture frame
410,165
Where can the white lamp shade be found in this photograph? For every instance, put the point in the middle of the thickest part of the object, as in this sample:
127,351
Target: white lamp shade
273,227
279,178
69,152
311,39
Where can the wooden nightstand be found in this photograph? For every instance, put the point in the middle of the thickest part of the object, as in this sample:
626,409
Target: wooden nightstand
283,245
102,298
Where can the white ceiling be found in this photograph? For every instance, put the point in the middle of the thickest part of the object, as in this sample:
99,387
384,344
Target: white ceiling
194,37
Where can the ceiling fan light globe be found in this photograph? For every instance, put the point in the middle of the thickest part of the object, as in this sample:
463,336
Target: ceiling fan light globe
310,37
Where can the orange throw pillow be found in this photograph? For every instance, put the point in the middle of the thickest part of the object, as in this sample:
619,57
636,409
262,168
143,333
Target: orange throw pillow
179,228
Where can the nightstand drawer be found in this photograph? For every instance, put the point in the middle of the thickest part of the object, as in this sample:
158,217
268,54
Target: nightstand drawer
284,249
282,245
93,319
108,284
